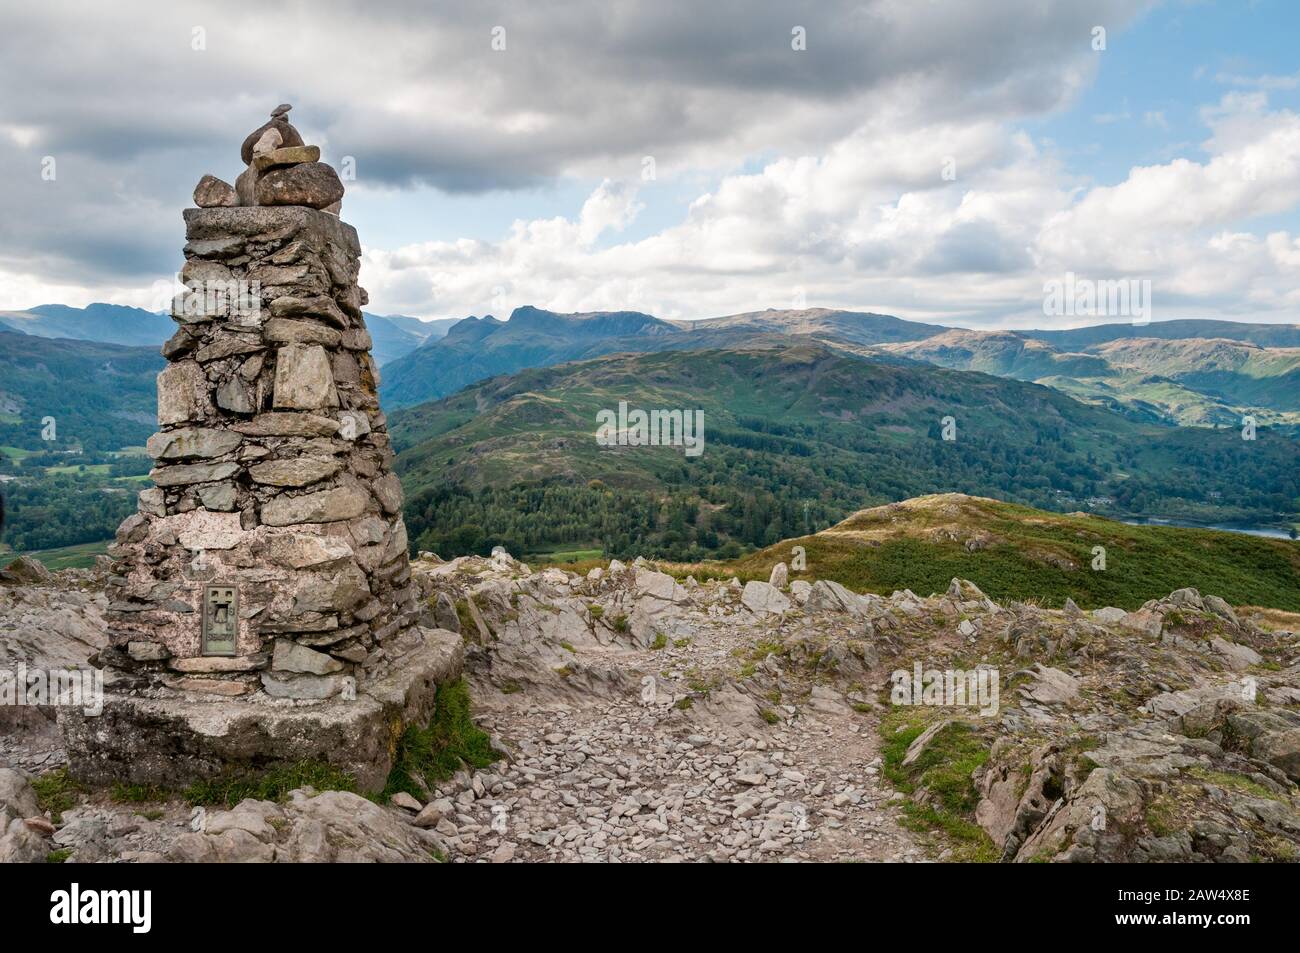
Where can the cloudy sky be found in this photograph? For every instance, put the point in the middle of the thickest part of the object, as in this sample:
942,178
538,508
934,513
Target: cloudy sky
932,159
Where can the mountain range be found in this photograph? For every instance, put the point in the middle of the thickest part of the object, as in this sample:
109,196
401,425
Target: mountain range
393,335
1179,372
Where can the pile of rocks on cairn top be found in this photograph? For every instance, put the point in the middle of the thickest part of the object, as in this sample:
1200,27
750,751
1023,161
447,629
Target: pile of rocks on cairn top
281,170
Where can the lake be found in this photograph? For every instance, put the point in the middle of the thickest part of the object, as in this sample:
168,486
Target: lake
1270,531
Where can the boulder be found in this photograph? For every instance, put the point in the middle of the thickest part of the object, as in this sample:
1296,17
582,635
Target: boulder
26,571
313,184
763,598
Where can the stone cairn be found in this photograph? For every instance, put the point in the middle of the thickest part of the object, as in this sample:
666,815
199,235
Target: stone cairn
270,556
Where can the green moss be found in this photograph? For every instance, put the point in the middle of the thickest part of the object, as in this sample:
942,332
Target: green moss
684,704
274,785
435,753
769,716
660,642
57,856
56,792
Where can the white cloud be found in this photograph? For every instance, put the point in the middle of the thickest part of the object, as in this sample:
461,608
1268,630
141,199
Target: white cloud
873,224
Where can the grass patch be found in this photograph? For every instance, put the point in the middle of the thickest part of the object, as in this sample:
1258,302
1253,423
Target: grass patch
944,770
274,785
466,619
435,753
139,793
58,856
1233,782
769,716
56,792
660,642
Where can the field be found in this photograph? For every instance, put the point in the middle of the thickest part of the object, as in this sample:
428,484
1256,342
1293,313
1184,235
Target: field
66,557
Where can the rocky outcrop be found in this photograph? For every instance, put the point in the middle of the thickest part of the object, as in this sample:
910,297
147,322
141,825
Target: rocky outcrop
645,716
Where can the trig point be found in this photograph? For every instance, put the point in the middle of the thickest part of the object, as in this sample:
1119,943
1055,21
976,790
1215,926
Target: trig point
262,609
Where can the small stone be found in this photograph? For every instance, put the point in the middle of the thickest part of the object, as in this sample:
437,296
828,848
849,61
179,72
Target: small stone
212,192
405,801
222,497
216,664
302,686
780,576
388,490
235,397
289,136
191,442
288,155
288,331
299,471
292,657
186,474
326,506
148,651
268,143
304,379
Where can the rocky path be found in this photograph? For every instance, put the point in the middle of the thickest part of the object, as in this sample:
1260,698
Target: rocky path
632,782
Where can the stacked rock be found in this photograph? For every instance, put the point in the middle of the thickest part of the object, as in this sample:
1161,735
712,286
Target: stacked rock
270,554
280,170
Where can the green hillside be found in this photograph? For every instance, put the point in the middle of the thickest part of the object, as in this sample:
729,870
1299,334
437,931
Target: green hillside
795,439
1014,552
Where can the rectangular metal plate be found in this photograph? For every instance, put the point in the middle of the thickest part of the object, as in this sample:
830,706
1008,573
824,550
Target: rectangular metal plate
220,620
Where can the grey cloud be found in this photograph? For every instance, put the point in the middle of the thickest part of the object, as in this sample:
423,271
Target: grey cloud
415,93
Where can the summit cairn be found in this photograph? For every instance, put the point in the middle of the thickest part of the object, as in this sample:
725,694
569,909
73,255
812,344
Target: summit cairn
261,604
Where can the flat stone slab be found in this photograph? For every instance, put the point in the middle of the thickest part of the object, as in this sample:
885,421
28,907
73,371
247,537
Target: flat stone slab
174,742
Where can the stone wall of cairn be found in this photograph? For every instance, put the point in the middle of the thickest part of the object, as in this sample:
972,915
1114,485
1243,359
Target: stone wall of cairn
271,475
